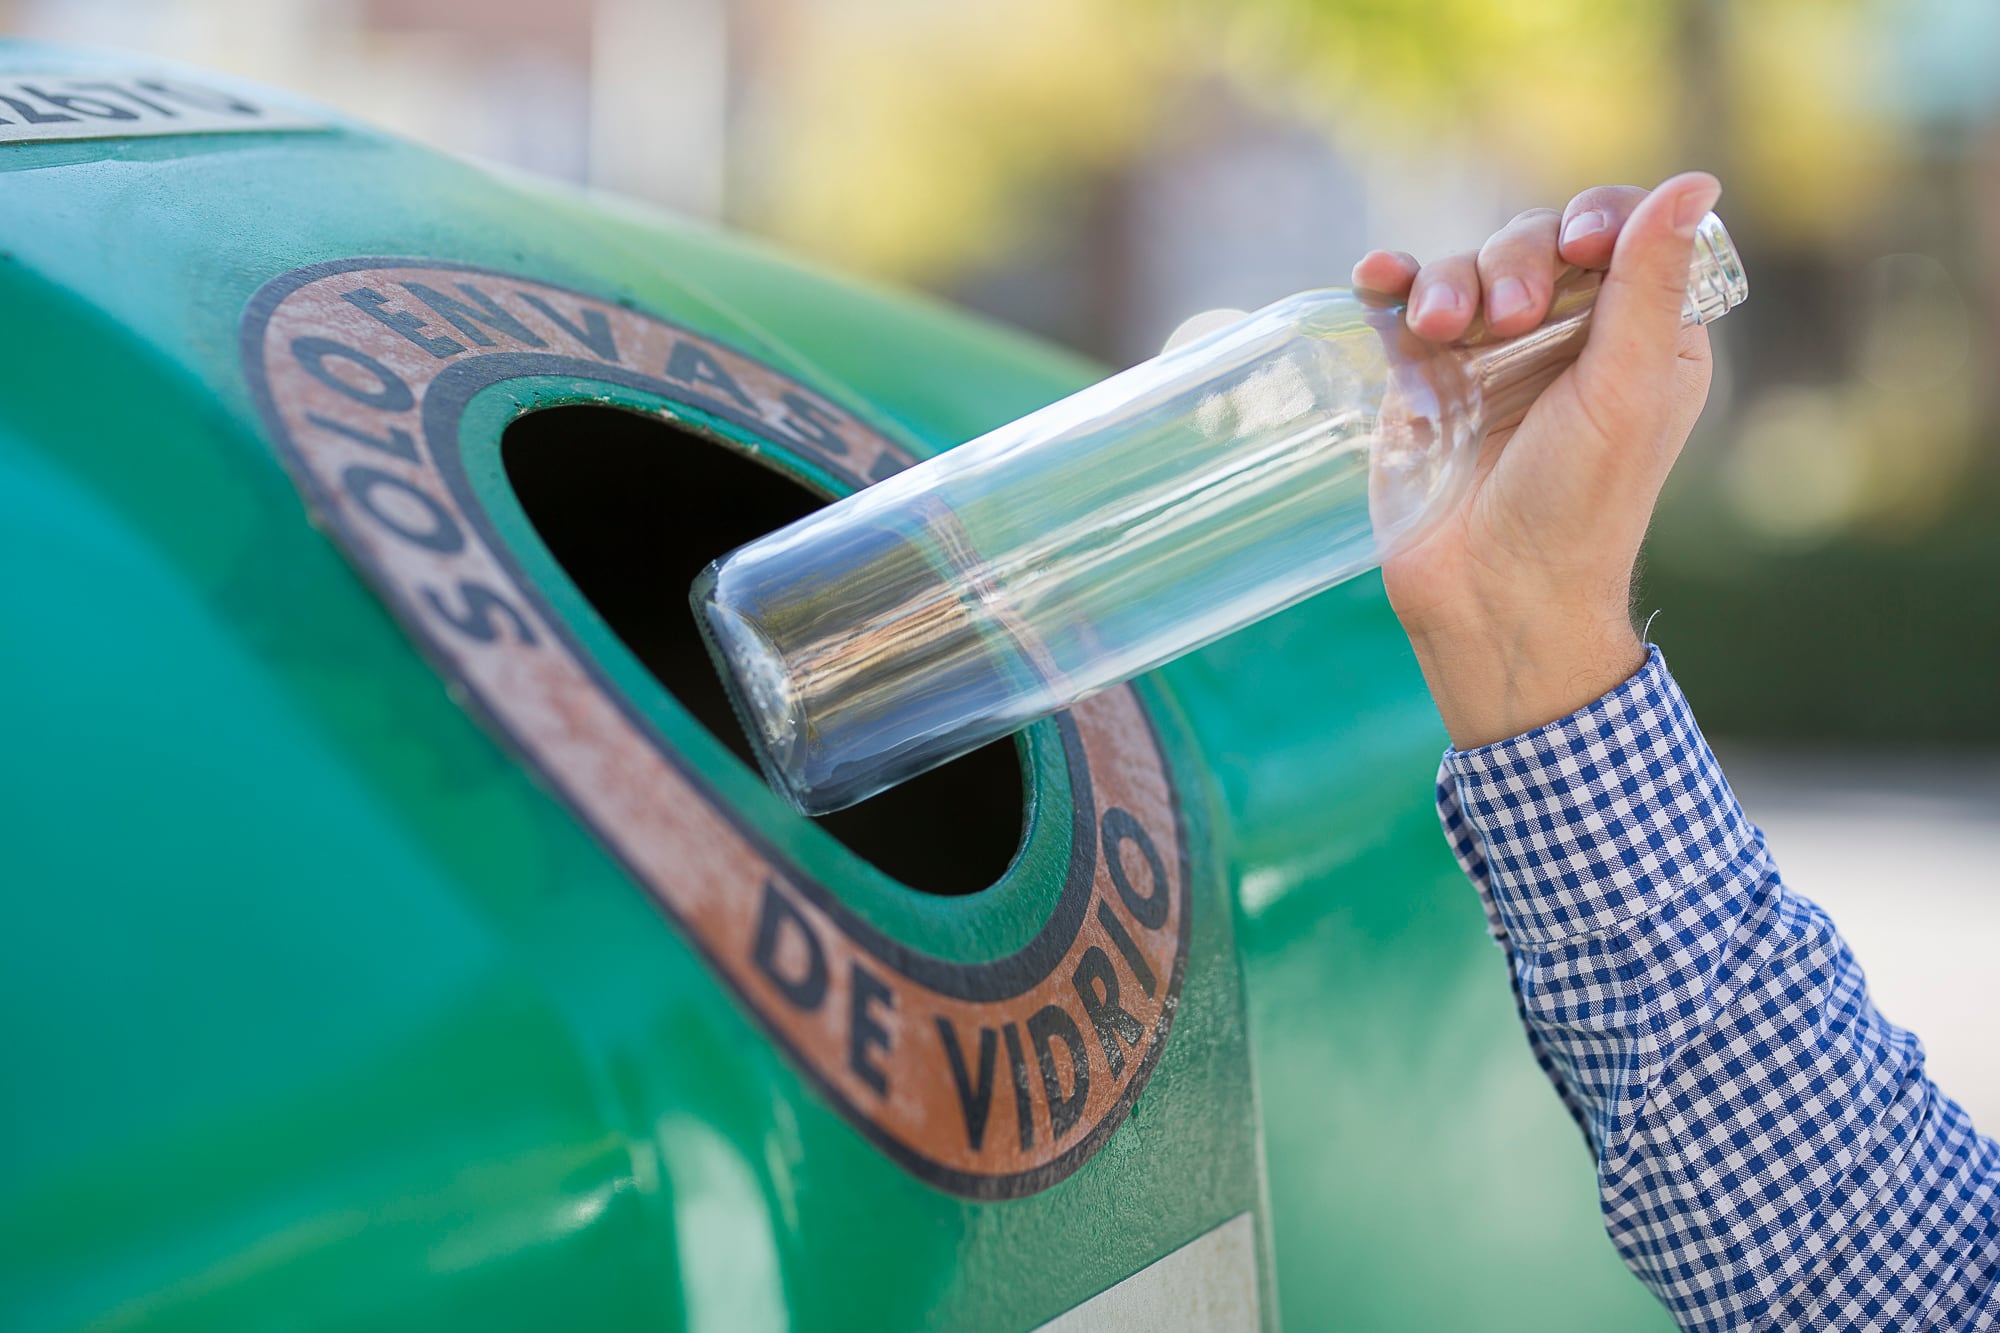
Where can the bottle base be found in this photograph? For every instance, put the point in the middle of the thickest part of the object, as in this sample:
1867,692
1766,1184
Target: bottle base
759,688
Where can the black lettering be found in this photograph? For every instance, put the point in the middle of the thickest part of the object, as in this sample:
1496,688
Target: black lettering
1024,1100
467,320
34,117
1097,986
375,305
1119,828
1053,1023
886,465
477,620
201,99
596,331
814,423
131,96
397,443
441,532
808,991
975,1095
864,1033
390,393
1127,949
94,107
690,363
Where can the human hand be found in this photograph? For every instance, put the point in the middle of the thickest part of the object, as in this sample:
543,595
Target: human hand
1519,603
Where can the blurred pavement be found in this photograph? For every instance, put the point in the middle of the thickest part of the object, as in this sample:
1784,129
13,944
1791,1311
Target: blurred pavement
1903,852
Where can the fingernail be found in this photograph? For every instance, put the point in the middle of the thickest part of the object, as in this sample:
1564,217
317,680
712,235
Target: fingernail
1509,298
1437,300
1587,223
1694,204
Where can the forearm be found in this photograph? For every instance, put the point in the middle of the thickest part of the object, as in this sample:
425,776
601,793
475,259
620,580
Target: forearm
1768,1147
1520,657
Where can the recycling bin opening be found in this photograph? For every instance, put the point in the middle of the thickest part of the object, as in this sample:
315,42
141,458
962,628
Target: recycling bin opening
633,508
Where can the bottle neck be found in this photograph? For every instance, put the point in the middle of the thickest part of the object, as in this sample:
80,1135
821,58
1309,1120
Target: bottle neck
1508,374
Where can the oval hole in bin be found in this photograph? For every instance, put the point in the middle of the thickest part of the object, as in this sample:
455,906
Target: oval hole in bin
633,508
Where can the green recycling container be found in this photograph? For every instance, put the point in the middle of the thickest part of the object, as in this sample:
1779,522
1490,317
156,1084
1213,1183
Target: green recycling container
392,935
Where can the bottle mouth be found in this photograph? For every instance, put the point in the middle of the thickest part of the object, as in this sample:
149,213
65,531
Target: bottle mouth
1716,282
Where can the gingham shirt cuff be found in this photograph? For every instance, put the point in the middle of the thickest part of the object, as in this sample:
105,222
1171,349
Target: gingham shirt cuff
1579,827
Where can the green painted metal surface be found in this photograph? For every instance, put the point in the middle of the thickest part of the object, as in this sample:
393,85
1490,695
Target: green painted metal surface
320,1011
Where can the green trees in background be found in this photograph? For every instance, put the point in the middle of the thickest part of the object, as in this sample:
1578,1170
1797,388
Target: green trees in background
1823,558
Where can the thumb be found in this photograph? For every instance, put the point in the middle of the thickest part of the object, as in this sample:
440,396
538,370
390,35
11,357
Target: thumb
1627,367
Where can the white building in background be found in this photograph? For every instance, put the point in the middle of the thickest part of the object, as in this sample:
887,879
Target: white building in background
628,95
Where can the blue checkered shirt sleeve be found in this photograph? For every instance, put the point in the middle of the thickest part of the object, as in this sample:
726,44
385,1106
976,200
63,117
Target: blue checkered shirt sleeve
1770,1153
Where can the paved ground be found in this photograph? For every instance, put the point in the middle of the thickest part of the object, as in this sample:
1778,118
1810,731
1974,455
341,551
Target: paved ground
1904,854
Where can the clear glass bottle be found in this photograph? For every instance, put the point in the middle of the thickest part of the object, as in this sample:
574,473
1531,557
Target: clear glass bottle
1117,529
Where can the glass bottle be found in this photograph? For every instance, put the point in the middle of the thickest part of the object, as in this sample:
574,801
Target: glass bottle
1115,530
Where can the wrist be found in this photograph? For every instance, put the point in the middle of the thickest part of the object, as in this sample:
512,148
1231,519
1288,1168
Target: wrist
1494,681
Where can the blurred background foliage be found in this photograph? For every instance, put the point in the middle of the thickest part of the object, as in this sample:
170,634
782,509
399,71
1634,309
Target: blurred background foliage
1827,563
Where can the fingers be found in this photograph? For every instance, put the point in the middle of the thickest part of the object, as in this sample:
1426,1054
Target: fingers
1635,331
1513,276
1518,266
1444,298
1389,272
1591,223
